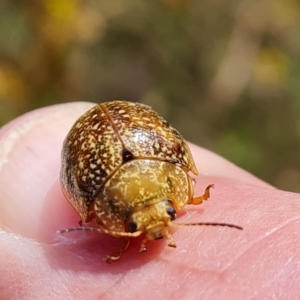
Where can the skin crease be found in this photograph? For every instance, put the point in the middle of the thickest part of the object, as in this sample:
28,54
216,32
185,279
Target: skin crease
260,262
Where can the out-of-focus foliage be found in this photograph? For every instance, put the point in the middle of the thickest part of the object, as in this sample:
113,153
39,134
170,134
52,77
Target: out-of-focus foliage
225,73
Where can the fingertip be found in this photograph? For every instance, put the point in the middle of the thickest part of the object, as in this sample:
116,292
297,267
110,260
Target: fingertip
30,164
211,164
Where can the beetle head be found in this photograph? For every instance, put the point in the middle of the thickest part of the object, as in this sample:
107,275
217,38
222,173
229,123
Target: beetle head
152,220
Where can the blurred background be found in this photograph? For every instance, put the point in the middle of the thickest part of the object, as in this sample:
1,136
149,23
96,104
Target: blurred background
226,74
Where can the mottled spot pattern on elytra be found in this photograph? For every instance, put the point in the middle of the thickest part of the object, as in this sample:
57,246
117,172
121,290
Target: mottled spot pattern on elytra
146,134
89,156
93,152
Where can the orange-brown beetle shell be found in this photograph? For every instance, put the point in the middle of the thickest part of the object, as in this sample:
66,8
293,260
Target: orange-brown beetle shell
108,135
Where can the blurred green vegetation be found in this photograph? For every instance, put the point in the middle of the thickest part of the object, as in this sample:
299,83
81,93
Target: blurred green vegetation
225,73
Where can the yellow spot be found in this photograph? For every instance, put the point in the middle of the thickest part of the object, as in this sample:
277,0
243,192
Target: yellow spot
61,10
271,66
92,145
12,85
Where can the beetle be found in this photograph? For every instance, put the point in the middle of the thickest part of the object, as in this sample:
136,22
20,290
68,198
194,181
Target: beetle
128,168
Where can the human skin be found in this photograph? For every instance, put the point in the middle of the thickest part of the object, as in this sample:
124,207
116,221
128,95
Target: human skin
260,262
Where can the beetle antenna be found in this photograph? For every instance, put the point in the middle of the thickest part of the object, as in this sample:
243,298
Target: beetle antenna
102,230
205,224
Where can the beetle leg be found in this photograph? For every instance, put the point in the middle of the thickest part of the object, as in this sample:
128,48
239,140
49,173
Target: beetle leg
143,246
205,196
124,242
171,242
89,218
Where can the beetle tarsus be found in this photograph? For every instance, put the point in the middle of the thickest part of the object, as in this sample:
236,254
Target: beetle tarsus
124,242
205,196
143,246
171,242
